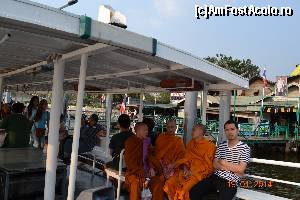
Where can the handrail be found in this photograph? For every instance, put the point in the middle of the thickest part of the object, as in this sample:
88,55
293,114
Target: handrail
273,180
275,162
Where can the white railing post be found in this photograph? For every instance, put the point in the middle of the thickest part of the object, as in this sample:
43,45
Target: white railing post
1,90
76,135
224,112
141,107
204,105
52,149
190,114
108,121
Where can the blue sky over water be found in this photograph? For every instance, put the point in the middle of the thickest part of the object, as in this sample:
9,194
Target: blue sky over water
271,42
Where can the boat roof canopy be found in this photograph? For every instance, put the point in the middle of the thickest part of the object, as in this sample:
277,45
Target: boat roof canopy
119,61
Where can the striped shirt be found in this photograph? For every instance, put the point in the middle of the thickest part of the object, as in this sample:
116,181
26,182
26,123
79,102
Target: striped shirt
240,152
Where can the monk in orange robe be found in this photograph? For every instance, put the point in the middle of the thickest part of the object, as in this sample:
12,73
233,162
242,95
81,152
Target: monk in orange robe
196,165
135,168
169,149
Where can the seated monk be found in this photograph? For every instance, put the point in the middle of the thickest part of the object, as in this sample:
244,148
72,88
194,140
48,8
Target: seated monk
169,149
196,165
136,172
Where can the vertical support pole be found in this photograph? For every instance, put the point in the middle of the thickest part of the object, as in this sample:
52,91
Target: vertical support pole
234,106
17,94
7,97
201,106
1,90
204,105
297,123
224,112
52,149
76,135
108,122
141,107
65,106
262,105
297,116
190,114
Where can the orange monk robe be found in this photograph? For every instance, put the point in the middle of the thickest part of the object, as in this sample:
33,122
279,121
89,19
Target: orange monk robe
168,150
198,160
135,175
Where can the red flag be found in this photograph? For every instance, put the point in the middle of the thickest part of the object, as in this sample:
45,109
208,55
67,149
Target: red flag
123,105
122,108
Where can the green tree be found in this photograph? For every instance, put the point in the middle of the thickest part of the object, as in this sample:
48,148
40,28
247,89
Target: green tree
243,67
163,98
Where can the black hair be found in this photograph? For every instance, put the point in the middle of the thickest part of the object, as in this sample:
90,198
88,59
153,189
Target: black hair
150,123
231,122
124,121
18,107
39,111
95,117
83,116
30,106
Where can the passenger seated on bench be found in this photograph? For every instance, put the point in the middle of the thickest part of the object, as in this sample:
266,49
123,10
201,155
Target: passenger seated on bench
169,149
135,166
117,142
18,128
196,165
230,162
90,135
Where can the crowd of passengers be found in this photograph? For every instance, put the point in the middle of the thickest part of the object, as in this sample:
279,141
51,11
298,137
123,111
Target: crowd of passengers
28,127
160,162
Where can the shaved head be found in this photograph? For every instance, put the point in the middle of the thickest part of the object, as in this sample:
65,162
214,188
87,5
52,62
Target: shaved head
200,126
141,130
171,126
198,131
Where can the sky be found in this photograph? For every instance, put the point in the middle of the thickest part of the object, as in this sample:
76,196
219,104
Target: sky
270,42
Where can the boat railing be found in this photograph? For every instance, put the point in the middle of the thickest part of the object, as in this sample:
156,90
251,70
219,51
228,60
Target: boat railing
251,194
276,163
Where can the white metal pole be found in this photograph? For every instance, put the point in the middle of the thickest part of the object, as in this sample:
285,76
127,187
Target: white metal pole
190,114
1,90
204,106
141,107
7,97
17,96
52,149
224,112
108,119
262,104
76,135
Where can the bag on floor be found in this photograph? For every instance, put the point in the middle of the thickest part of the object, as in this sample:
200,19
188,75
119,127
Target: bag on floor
146,194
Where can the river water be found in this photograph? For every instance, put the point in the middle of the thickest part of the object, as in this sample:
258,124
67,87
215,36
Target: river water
276,172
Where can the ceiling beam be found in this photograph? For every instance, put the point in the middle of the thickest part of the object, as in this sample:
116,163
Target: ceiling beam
143,71
98,48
